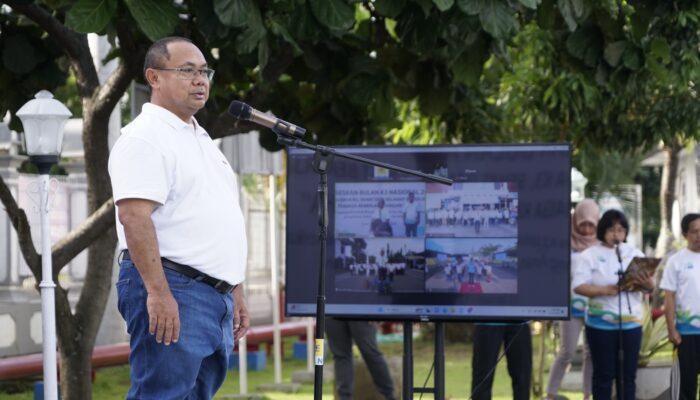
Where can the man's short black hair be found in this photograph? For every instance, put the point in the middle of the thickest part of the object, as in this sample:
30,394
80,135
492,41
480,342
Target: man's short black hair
610,218
687,219
158,52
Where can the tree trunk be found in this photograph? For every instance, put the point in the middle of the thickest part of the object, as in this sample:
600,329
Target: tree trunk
77,331
667,196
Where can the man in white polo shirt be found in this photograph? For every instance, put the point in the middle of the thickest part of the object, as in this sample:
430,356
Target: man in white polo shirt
181,232
681,283
411,215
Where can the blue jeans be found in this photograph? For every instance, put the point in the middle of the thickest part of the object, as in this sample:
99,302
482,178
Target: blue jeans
604,346
195,366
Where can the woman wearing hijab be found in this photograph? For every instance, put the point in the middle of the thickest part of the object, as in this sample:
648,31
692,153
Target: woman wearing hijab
583,235
613,318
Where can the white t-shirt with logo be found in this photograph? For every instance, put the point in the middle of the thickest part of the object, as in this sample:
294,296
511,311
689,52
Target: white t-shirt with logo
578,302
682,275
198,220
411,213
599,266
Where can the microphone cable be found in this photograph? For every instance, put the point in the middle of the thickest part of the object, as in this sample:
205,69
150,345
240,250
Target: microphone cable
425,384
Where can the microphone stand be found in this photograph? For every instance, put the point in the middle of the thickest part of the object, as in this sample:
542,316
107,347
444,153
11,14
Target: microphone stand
620,338
323,159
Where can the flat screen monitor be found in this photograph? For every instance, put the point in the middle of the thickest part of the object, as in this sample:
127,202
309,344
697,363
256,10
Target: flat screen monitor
492,246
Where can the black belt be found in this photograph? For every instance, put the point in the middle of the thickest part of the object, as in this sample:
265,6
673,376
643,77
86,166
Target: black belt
220,285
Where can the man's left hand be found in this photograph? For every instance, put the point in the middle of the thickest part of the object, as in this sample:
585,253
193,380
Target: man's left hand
241,318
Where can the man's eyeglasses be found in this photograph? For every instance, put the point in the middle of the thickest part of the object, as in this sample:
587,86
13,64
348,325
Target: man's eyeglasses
190,73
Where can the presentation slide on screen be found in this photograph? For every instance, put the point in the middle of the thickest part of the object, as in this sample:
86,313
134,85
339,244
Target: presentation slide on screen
482,209
481,266
380,265
384,237
379,209
401,247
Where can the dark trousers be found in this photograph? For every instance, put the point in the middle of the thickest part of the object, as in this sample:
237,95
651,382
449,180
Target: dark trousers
689,362
411,229
340,337
604,347
487,346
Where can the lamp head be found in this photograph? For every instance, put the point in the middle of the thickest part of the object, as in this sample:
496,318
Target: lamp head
43,119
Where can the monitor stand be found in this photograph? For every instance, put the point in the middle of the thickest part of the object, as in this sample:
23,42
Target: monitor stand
438,389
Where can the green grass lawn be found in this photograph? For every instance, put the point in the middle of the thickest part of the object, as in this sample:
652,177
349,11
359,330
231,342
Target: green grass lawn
112,383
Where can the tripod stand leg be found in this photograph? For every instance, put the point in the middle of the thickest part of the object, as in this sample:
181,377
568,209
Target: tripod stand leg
439,361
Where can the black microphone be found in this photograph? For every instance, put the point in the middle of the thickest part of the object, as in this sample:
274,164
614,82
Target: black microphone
241,110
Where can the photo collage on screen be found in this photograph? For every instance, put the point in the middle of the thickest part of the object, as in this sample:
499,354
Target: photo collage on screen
403,237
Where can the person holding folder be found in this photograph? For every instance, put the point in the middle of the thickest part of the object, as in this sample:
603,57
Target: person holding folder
613,318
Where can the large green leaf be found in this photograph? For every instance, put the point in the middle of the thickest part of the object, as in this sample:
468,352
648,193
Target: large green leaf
467,69
572,11
416,32
383,108
472,7
361,89
434,101
278,29
585,44
659,71
89,16
443,5
632,58
303,25
18,55
234,13
335,14
389,8
249,39
207,20
660,50
613,52
498,20
470,64
155,18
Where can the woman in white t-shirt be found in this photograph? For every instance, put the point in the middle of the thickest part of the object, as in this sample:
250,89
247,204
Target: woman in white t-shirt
583,235
613,318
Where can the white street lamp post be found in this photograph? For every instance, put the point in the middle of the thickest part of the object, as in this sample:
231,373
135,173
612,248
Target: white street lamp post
43,119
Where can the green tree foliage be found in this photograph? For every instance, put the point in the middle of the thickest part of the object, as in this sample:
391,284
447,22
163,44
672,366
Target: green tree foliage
30,63
607,73
343,69
457,70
